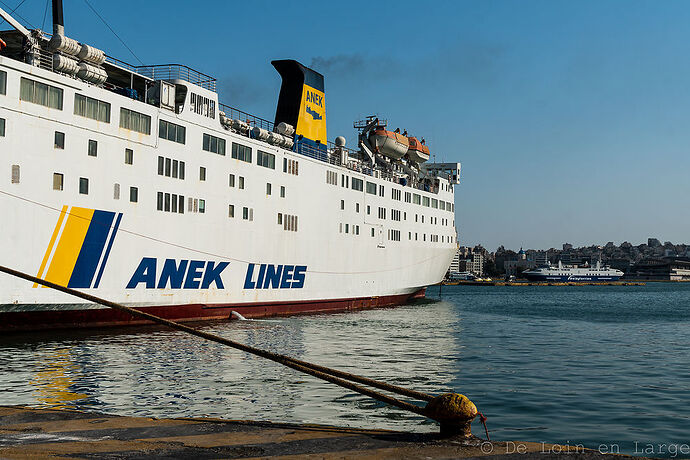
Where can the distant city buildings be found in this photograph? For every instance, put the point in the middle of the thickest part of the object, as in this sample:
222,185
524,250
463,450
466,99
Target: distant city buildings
652,260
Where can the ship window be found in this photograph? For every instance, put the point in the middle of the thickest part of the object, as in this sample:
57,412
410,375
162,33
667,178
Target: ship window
15,174
356,207
282,191
83,186
268,188
168,167
241,152
292,167
129,156
357,184
2,127
59,140
202,206
371,188
267,160
93,148
171,131
214,144
91,108
58,181
3,82
372,232
202,105
280,218
129,119
416,199
232,180
202,173
425,201
368,209
133,194
116,191
381,190
41,94
342,204
231,210
241,184
245,213
434,203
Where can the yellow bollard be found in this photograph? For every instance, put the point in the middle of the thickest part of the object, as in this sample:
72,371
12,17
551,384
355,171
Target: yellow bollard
454,412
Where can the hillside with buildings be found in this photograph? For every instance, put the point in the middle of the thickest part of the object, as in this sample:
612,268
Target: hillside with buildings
652,260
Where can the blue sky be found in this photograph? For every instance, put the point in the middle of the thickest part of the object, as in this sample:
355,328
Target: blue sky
570,118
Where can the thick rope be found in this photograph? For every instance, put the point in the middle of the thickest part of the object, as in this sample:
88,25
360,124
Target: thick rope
321,372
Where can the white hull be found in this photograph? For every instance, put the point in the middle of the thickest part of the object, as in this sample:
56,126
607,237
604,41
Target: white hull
338,264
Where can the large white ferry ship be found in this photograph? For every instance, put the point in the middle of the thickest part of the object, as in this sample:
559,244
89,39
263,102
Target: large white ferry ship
137,185
573,273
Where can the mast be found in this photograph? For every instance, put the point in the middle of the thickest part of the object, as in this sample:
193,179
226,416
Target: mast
58,20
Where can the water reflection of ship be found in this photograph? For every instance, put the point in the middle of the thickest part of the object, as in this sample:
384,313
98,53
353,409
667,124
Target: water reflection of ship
55,378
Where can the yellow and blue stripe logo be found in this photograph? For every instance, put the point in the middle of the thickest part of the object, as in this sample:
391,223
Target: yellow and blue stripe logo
79,247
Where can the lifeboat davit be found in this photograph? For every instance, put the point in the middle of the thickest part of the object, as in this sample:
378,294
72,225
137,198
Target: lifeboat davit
418,152
393,145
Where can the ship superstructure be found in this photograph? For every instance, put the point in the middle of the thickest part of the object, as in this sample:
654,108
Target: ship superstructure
136,184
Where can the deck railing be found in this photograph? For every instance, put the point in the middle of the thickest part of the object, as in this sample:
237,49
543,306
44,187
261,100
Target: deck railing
252,120
177,71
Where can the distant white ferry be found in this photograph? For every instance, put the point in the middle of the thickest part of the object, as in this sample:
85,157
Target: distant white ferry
573,273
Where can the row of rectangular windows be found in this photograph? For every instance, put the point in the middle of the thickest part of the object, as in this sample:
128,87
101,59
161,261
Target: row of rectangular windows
395,214
288,221
247,213
393,235
357,184
50,96
171,168
355,229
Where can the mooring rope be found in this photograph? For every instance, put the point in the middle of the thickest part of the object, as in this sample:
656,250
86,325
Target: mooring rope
341,378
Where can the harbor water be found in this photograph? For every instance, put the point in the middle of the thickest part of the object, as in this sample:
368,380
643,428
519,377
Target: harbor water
601,366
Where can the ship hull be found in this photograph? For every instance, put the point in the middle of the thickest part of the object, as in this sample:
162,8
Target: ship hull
28,318
190,233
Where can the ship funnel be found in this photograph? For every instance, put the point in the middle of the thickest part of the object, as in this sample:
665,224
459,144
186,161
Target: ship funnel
302,102
58,21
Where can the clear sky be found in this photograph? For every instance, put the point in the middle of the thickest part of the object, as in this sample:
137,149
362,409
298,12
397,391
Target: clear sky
570,118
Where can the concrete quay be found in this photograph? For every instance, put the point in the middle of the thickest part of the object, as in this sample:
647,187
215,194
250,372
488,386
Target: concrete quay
51,433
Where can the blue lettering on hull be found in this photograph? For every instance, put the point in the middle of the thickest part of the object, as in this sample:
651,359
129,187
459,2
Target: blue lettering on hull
269,276
183,274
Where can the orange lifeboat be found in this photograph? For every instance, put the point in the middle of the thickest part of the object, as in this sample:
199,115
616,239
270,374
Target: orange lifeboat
3,45
389,143
418,152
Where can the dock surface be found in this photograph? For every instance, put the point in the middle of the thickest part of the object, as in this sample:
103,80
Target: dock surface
52,433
